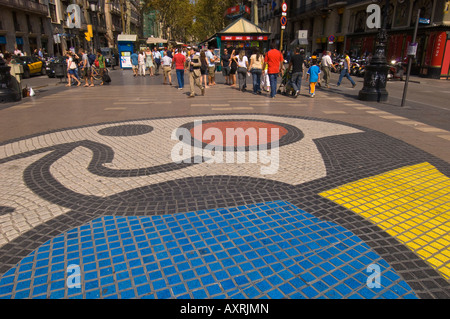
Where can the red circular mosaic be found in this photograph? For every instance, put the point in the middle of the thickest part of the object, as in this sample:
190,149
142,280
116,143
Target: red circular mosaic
238,133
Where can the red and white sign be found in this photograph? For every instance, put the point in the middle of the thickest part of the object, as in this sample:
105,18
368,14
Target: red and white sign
284,7
438,52
238,9
233,9
244,38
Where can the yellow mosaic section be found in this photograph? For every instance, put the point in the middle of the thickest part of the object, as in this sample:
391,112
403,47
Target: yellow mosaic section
411,204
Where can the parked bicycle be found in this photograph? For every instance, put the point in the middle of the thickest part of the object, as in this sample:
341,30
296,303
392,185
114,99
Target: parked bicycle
96,73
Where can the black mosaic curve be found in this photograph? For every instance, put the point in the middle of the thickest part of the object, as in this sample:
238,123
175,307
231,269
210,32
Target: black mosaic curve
126,130
220,191
294,134
6,210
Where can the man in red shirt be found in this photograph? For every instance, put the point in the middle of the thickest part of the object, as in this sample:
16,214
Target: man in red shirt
274,61
179,61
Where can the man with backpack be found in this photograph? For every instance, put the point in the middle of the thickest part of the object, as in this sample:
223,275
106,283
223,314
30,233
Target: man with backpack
101,65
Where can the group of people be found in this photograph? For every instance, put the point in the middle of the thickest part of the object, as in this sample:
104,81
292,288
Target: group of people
201,64
84,63
236,67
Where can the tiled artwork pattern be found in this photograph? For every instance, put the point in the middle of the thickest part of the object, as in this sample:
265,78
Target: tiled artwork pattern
268,250
299,163
411,204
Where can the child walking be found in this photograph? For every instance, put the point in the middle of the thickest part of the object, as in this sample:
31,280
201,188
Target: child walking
314,77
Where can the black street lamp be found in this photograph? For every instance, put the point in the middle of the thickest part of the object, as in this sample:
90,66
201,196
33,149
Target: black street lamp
375,77
93,4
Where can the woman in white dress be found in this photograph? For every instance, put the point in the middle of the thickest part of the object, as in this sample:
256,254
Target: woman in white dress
149,61
141,63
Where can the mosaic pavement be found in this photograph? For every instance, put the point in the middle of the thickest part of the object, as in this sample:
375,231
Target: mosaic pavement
347,213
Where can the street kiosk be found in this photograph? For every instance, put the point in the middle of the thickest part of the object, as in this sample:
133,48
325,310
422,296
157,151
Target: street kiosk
240,34
125,45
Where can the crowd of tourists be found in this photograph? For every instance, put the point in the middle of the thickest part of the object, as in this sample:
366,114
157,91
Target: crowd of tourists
237,67
201,64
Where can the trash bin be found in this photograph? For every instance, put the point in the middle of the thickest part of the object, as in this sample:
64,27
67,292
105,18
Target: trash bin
60,70
16,71
9,86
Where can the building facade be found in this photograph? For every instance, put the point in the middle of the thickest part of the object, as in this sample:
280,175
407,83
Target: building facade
33,24
24,24
151,25
338,25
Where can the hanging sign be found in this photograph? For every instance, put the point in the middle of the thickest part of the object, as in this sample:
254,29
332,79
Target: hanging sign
412,49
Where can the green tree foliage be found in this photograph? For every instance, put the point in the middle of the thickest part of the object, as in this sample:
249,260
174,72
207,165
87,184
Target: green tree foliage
191,20
210,17
176,17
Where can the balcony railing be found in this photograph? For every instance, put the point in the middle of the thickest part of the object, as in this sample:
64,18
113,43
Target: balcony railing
115,9
26,5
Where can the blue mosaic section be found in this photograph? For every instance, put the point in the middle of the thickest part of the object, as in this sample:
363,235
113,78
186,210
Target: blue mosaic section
269,250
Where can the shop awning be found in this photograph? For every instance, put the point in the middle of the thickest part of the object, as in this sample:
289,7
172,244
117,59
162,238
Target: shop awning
241,29
243,26
127,37
153,40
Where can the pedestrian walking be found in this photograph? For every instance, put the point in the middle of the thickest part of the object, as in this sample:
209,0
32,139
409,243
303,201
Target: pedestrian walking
225,64
134,63
86,69
194,72
242,70
345,71
157,60
141,61
71,67
296,66
255,68
179,61
149,61
314,77
77,61
211,66
274,60
204,69
233,67
101,64
326,65
265,83
166,63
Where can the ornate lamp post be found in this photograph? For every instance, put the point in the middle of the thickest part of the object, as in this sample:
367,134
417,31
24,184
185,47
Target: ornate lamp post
376,72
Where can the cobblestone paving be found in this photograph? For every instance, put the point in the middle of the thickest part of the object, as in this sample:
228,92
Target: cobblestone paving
109,201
